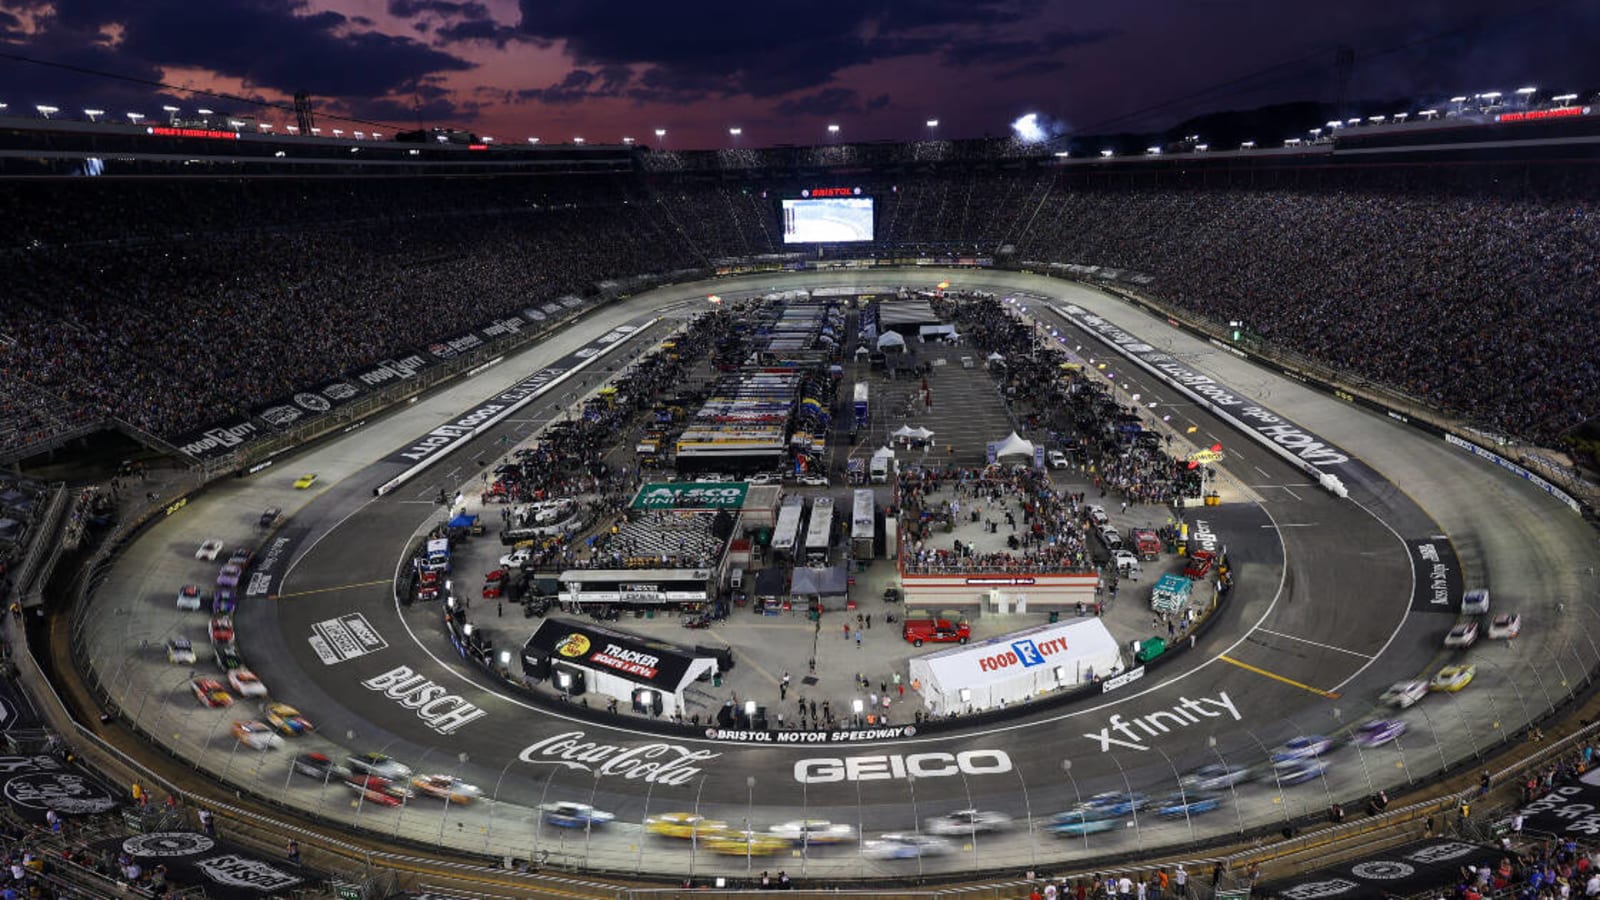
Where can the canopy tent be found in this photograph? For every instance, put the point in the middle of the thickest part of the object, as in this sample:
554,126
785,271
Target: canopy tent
921,433
891,339
463,520
883,453
904,431
833,581
1052,657
996,356
1013,445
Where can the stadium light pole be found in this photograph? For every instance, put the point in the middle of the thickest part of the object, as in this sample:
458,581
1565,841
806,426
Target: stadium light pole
133,117
46,109
1564,99
94,114
377,135
172,113
292,129
735,132
627,141
264,127
533,140
578,141
315,131
661,136
833,131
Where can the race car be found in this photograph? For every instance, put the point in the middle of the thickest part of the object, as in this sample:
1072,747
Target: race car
1463,635
189,597
241,556
1452,678
1505,627
1378,732
270,517
229,576
1215,777
684,825
1302,747
574,815
1402,694
447,787
288,720
1200,563
256,735
378,789
1295,771
1078,827
906,846
223,603
1181,805
319,766
746,843
967,821
221,629
1475,602
180,651
246,683
305,481
378,764
813,831
210,692
209,550
1116,803
227,657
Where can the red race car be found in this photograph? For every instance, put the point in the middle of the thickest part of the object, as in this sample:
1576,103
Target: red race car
210,692
380,790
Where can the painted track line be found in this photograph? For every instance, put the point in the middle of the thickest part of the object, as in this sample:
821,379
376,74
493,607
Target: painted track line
1330,695
1315,643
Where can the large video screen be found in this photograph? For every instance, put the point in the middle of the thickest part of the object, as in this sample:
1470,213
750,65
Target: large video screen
827,220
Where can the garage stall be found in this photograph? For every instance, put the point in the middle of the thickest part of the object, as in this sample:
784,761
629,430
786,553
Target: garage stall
1016,667
580,659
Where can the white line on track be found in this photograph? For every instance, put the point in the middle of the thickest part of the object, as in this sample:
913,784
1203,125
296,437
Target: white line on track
1314,643
1264,472
1293,525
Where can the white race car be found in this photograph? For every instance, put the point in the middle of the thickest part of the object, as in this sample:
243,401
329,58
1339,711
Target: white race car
189,597
1404,693
1463,635
814,831
245,683
906,846
968,821
1505,627
209,550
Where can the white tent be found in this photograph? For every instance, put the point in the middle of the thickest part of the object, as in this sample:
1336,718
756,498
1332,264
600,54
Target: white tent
1014,445
996,356
1015,667
891,339
883,453
921,433
904,431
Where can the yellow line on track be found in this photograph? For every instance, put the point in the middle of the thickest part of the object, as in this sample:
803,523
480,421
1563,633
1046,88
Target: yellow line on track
337,587
1331,695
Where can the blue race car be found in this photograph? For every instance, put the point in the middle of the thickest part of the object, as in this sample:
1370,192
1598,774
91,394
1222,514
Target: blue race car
1295,771
1179,805
223,604
1379,731
574,815
1302,747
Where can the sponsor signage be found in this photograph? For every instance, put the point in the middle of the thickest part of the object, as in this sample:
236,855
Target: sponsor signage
1136,732
811,737
896,766
440,440
401,368
1517,470
676,495
218,440
266,564
1000,581
345,637
1402,872
226,871
34,785
653,763
1438,581
1266,426
1568,809
450,348
648,662
433,703
1126,678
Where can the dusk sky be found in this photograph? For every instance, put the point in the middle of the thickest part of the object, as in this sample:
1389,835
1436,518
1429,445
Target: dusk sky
781,70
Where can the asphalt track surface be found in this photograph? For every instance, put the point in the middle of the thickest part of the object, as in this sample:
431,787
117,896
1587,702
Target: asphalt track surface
1306,648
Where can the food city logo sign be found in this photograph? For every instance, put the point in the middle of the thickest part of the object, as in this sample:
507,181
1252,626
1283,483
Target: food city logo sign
653,763
439,709
1026,653
1262,421
1120,732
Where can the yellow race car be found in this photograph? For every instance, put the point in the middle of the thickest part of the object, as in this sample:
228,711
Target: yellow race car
747,843
305,481
684,825
1452,678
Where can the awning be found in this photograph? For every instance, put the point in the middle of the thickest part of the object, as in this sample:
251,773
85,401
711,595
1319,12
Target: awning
891,339
830,582
462,520
1016,667
1014,445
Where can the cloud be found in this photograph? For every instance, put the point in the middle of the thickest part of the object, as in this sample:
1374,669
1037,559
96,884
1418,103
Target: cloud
826,102
1001,51
579,85
1030,69
444,9
731,47
279,45
484,30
